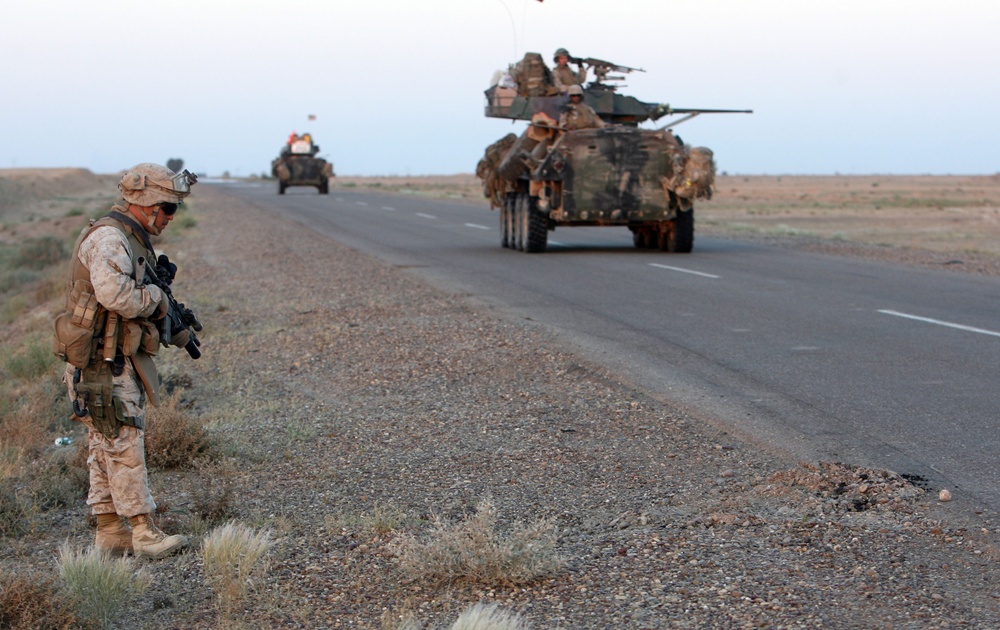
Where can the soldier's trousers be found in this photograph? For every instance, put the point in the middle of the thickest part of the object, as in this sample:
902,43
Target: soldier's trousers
119,481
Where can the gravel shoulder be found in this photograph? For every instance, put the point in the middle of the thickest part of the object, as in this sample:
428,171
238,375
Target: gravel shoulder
347,392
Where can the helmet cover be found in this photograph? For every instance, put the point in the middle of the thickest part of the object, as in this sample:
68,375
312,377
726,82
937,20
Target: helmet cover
148,184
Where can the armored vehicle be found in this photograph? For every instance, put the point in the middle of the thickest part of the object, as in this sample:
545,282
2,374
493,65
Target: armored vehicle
297,165
607,172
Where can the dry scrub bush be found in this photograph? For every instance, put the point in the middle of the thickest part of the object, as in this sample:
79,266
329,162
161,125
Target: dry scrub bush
489,617
32,358
235,557
10,457
474,551
210,488
15,512
59,479
102,586
382,520
28,603
175,440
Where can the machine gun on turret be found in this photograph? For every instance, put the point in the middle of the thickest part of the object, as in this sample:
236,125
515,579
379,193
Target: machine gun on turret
601,68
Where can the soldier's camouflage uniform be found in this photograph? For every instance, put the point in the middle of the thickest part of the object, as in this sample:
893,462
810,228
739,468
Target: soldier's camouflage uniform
564,76
117,466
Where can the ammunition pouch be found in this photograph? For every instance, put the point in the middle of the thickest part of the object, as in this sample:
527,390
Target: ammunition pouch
94,387
76,327
139,335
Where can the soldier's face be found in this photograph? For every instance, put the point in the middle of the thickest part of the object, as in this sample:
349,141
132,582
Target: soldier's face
562,60
162,219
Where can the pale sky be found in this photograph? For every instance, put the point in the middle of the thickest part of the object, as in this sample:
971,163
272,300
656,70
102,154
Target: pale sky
837,86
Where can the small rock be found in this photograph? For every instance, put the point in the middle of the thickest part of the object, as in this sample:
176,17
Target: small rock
944,495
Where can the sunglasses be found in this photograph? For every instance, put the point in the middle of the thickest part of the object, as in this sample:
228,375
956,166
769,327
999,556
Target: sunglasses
168,208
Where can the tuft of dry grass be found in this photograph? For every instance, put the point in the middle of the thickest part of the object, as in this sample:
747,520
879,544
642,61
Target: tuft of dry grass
29,603
175,440
383,519
475,551
235,558
102,587
489,617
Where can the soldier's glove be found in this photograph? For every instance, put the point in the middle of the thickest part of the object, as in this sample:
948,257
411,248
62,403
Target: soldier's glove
161,308
180,338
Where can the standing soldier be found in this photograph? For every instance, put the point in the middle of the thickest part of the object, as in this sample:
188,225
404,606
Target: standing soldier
577,114
108,336
563,76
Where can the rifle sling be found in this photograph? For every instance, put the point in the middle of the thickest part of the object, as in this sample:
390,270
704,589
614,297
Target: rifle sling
137,229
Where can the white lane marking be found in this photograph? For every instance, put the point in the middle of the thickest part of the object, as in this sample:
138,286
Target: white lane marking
426,216
388,208
682,270
477,226
939,322
361,203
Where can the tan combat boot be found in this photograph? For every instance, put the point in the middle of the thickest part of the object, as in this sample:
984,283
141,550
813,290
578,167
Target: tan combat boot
112,535
149,542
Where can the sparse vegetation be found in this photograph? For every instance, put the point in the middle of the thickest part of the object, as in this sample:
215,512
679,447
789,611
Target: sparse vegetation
102,586
489,617
174,439
475,551
235,558
382,520
29,603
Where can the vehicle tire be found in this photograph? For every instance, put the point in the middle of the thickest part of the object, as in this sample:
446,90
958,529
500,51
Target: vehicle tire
536,228
505,210
281,187
644,238
519,210
680,238
324,188
511,223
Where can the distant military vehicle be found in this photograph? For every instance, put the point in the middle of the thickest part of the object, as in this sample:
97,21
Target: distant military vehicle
616,174
297,165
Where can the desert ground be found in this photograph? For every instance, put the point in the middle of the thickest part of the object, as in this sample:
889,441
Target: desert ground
373,426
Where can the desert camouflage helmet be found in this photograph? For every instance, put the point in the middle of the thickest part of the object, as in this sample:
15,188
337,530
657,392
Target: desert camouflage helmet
148,184
560,52
574,90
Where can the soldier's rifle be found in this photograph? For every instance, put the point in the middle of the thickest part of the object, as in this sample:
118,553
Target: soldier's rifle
178,316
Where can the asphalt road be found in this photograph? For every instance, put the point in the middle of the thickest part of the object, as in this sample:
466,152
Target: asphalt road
824,358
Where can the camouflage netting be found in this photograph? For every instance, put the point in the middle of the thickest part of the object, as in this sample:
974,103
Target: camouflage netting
533,77
694,173
487,170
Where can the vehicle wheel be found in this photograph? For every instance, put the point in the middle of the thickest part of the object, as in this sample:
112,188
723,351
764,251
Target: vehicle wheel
644,238
518,223
324,188
536,228
505,220
281,187
680,238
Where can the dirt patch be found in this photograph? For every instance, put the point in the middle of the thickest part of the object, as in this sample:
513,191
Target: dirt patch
955,215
